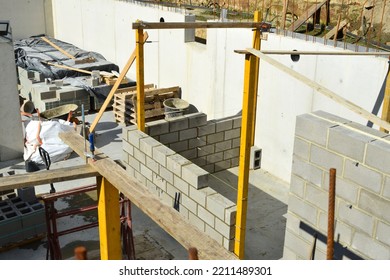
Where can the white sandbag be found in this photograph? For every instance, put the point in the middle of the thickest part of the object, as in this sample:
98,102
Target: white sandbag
51,142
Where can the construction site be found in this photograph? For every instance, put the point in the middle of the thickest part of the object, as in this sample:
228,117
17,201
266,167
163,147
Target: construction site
186,130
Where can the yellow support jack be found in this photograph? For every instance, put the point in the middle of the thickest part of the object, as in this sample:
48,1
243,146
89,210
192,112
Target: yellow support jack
109,220
386,101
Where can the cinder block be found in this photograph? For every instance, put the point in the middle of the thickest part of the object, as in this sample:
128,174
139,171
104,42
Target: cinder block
213,158
383,233
305,211
301,148
378,155
188,134
354,217
134,163
288,254
206,150
140,178
232,134
48,95
237,120
128,148
386,187
146,172
363,176
342,231
133,137
153,188
223,146
178,123
217,204
344,189
190,154
369,247
196,221
317,197
157,127
140,156
375,205
160,154
224,124
297,186
297,245
214,234
153,165
181,185
206,216
147,144
179,146
200,196
331,117
236,142
207,129
307,171
230,215
171,190
209,167
232,153
200,161
81,94
65,94
222,165
224,229
214,138
184,212
197,119
228,244
312,128
130,170
169,138
348,142
189,203
159,182
166,174
194,143
366,129
165,198
27,194
195,175
292,223
175,163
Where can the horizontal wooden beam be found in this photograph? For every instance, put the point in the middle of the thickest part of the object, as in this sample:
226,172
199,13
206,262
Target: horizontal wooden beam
323,90
47,177
165,216
283,52
192,25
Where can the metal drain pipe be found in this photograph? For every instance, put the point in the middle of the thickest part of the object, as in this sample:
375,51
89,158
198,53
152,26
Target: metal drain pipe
331,208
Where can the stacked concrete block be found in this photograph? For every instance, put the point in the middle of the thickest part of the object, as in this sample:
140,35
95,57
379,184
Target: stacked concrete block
49,96
27,79
212,145
175,179
20,220
362,220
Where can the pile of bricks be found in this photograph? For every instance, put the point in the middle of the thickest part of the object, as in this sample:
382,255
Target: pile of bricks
361,157
175,178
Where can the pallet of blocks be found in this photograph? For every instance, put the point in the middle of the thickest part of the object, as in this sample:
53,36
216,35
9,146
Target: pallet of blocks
125,103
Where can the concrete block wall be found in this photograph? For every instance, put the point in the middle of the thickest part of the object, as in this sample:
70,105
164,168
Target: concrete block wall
361,157
213,145
176,180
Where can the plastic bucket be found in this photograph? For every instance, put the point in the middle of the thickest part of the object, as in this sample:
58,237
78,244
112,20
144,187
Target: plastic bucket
175,107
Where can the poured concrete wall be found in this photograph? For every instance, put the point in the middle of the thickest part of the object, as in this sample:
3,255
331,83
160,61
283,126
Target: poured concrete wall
362,220
27,17
167,174
11,133
211,75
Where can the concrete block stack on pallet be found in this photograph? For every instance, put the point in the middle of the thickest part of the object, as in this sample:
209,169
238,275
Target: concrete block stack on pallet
175,178
361,156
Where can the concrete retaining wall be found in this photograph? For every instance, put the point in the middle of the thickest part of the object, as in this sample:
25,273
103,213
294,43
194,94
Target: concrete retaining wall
362,220
168,173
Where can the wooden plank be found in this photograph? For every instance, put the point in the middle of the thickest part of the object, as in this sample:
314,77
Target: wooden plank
165,216
114,88
140,73
343,53
306,15
46,177
335,30
58,48
63,66
324,91
109,220
191,25
151,113
134,88
386,102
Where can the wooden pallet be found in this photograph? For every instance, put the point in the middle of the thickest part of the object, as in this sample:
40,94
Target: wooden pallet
125,103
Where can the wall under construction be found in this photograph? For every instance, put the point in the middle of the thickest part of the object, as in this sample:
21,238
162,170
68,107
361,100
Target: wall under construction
166,160
362,218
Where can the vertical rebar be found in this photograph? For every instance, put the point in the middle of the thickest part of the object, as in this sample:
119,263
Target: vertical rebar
331,209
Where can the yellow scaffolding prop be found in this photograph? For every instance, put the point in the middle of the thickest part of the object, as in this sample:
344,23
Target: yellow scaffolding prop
386,101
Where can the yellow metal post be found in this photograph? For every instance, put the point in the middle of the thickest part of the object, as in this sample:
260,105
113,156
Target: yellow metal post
109,220
139,39
386,100
256,45
248,113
